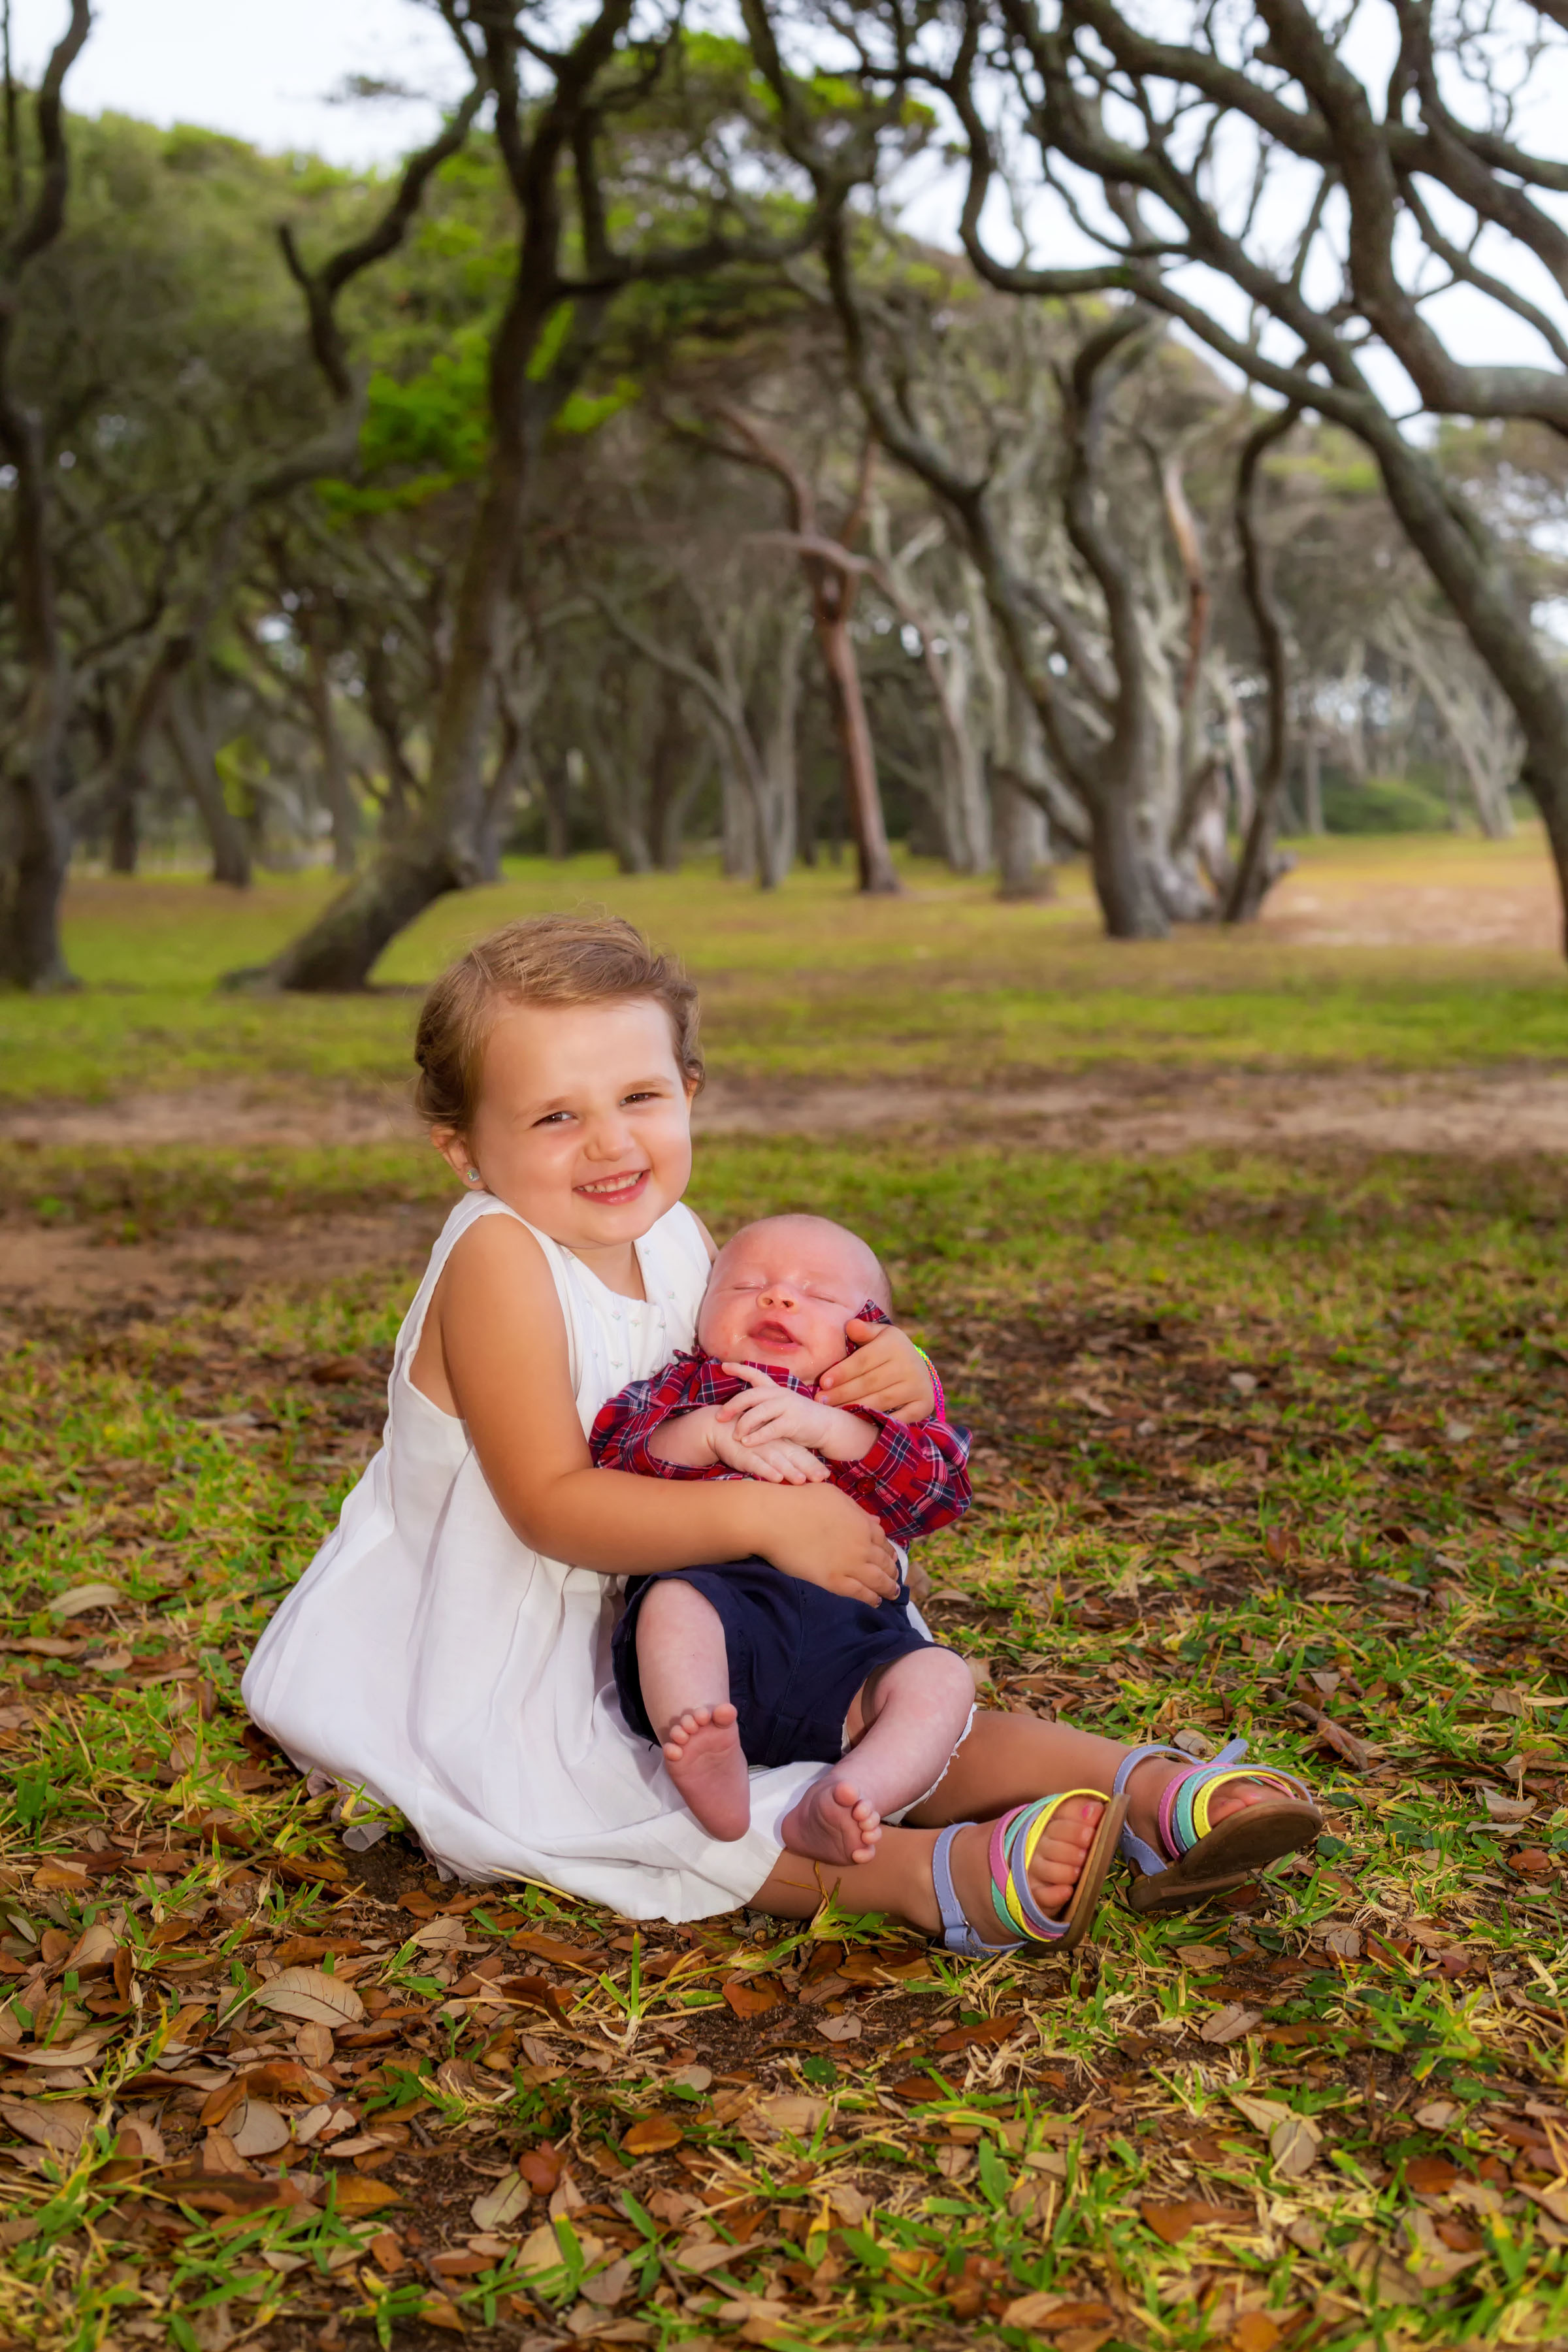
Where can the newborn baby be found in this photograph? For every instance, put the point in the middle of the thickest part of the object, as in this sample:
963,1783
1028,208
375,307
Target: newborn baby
738,1663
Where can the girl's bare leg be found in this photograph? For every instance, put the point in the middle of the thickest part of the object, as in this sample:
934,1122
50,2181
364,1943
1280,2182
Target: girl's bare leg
1006,1761
684,1668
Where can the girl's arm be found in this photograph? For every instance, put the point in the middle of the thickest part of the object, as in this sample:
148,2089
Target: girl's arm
494,1353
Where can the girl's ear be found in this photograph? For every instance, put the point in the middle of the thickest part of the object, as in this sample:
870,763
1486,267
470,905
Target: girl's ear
454,1150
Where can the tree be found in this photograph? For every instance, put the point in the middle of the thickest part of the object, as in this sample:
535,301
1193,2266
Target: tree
1142,138
34,845
614,114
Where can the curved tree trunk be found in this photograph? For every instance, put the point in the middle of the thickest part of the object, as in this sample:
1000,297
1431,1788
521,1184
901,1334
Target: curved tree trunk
1260,864
1466,566
853,730
226,834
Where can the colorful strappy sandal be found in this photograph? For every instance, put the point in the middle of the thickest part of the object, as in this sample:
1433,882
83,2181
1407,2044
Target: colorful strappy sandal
1198,1861
1013,1843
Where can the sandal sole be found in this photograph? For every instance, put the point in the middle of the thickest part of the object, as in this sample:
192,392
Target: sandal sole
1233,1851
1091,1878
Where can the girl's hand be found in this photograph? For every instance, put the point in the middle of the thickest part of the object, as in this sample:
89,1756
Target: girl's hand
775,1461
820,1536
887,1374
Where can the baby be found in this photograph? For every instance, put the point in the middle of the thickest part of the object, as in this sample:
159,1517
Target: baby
737,1663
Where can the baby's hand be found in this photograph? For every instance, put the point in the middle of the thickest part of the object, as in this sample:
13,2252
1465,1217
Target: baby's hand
775,1461
887,1374
770,1413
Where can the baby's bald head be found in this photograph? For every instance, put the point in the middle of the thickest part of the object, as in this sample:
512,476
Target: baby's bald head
782,1290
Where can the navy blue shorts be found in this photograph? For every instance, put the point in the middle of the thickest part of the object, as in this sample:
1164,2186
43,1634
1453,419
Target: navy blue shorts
797,1656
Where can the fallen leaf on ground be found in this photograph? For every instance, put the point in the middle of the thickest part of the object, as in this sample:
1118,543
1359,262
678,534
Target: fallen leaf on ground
1295,2145
653,2132
357,2194
753,1996
1202,1956
847,2028
312,1994
1229,2024
501,2205
83,1597
1173,2221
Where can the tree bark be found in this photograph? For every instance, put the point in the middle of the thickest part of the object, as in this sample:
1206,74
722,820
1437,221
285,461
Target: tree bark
35,841
337,791
852,729
226,834
1467,567
1258,867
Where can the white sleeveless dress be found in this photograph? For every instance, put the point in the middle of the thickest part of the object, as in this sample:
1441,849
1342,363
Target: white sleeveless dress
430,1658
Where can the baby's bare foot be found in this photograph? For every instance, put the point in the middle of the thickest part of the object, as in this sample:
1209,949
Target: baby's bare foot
832,1823
703,1749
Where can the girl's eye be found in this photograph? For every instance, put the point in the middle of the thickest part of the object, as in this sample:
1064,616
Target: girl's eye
551,1117
648,1094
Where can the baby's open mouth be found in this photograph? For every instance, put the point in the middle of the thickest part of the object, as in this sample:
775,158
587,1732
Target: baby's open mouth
774,1335
615,1188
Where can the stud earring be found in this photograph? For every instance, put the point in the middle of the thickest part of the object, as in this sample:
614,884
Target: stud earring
472,1174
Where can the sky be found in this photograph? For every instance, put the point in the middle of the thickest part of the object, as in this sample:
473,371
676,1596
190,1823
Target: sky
267,70
262,70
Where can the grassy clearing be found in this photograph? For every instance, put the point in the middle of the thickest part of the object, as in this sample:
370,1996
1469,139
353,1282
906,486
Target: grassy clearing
814,982
1260,1449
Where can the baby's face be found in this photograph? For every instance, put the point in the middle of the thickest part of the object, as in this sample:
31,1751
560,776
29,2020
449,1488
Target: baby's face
781,1292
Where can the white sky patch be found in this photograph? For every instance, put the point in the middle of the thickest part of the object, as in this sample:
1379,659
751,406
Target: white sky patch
260,69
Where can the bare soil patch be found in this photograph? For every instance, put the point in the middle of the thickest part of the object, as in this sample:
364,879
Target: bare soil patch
73,1270
1122,1108
1490,900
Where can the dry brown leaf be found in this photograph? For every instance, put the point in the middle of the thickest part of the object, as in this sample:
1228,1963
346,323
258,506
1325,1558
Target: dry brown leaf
1229,2024
356,2193
607,2287
540,2252
1295,2145
1202,1956
61,2055
847,2028
499,2206
1255,2332
1431,2176
651,2134
83,1597
313,1995
257,2129
440,2311
795,2114
59,2124
561,1955
1173,2221
753,1996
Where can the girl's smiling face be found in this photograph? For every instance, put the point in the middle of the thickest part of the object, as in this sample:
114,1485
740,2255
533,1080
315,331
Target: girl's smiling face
584,1125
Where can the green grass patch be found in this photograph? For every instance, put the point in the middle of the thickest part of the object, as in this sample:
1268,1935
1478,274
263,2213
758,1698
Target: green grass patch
1261,1448
813,982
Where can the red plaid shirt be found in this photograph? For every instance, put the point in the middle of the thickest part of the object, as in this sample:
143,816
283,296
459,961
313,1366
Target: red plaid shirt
914,1479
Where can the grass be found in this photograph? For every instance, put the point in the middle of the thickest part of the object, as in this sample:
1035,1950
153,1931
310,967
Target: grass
1260,1448
1267,1445
812,981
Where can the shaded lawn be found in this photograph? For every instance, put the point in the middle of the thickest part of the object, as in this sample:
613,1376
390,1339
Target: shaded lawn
810,982
1259,1449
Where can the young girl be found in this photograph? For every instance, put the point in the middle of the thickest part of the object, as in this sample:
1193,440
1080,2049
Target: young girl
448,1649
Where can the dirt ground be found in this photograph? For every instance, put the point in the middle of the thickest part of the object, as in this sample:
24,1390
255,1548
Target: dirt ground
1123,1110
